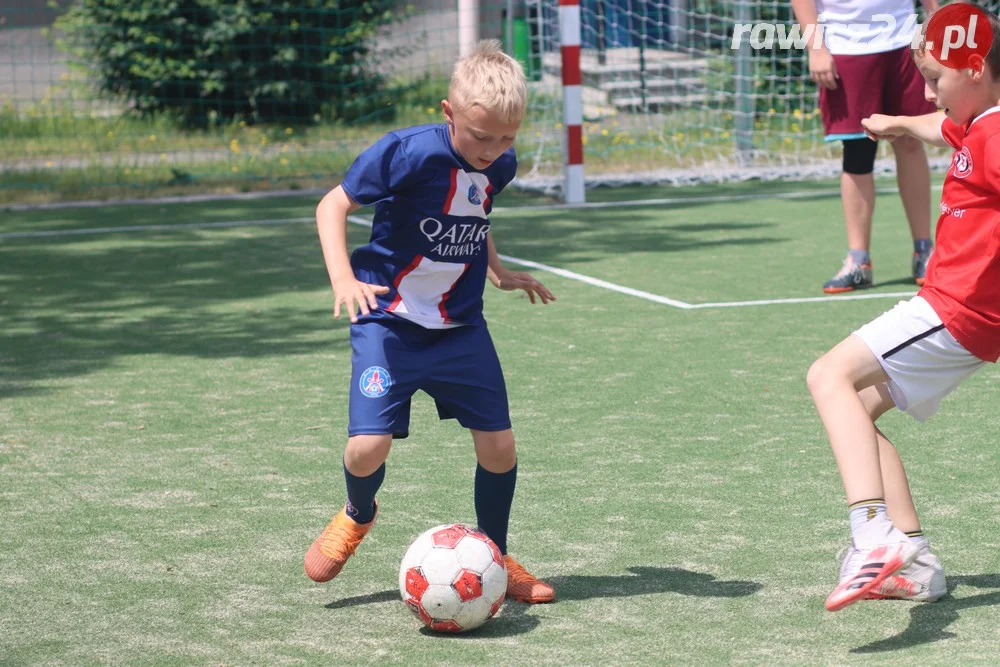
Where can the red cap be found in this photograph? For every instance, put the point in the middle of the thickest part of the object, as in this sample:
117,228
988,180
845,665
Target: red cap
959,36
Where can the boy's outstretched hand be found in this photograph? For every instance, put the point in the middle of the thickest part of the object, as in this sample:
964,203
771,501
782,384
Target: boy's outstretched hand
512,280
355,295
879,126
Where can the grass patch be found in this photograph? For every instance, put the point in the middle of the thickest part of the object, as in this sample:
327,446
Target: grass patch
172,414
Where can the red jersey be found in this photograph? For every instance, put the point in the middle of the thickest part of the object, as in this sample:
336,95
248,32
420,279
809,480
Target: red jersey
963,276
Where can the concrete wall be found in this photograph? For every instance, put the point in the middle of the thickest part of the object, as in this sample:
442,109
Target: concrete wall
28,13
31,68
430,38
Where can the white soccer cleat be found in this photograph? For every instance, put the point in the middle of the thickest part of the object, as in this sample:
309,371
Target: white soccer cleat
920,581
864,570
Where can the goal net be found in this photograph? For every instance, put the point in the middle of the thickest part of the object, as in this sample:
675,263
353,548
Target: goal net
666,97
290,92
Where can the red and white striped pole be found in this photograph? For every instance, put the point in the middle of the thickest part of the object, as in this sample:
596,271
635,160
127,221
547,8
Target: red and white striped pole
569,40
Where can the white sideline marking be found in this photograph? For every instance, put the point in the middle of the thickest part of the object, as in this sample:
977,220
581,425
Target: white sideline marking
569,274
596,282
807,299
667,301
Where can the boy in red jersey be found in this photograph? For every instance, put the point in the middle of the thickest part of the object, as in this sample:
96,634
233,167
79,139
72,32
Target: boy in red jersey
915,354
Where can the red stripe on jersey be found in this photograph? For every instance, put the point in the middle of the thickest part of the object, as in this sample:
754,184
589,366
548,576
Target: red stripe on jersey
402,274
444,297
451,191
489,197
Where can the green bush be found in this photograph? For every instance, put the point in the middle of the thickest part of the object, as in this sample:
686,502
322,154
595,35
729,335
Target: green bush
291,61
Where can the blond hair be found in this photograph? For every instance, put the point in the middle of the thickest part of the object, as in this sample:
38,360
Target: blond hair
490,78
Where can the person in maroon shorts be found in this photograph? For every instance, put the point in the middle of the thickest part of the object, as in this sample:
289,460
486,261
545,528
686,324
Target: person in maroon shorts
863,66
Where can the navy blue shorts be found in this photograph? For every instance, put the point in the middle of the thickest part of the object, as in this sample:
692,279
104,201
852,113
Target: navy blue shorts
459,368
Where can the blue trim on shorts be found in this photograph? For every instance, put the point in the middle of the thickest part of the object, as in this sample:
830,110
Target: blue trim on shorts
844,137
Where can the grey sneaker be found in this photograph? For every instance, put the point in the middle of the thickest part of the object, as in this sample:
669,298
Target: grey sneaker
920,260
921,581
850,277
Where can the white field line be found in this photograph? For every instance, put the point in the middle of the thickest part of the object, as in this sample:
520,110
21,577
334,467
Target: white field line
807,299
572,275
667,301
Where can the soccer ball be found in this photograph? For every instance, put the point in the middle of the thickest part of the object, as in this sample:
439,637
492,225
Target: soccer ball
453,578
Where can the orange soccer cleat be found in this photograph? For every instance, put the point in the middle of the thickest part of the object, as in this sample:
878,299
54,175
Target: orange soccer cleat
330,551
526,587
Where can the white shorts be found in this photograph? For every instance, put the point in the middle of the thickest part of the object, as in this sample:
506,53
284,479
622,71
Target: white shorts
923,361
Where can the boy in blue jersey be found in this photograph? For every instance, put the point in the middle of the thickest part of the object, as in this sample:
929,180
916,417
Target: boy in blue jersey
418,285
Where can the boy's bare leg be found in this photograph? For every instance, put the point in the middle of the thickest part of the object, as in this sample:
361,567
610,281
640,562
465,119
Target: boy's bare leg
495,450
898,500
365,454
834,381
923,580
857,196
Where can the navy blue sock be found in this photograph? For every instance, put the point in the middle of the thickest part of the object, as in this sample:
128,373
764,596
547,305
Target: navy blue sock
494,495
922,245
361,494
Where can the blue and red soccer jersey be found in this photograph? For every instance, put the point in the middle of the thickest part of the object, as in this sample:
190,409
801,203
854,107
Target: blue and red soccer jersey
429,246
428,241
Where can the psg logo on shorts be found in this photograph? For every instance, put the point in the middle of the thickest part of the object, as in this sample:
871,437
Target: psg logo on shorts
962,163
375,382
474,195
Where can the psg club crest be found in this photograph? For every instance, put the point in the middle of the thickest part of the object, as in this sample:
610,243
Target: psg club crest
474,195
962,163
375,382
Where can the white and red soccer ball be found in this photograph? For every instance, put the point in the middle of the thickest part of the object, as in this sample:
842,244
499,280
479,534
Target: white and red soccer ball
453,578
